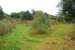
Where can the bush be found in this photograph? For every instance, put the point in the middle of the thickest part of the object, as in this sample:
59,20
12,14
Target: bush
40,23
5,27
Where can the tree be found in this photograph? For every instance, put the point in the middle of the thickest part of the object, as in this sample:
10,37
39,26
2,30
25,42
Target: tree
40,23
68,10
23,15
15,15
1,13
27,15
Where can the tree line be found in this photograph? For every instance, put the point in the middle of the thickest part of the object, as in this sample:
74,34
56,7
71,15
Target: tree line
67,12
23,15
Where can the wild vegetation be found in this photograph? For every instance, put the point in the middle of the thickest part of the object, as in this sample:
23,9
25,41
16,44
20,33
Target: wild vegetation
37,30
41,23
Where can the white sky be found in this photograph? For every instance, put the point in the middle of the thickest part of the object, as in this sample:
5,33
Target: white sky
48,6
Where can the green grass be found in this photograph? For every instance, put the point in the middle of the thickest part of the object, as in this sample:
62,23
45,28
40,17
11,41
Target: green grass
60,32
13,37
20,34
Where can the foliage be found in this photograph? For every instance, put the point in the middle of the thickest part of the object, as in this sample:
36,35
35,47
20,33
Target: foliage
1,13
40,23
5,26
23,15
68,10
27,15
15,15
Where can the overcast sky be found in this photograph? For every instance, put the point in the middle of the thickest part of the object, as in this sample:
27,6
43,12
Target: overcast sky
48,6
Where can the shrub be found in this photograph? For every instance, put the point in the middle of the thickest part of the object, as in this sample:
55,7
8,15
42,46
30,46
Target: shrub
5,27
40,23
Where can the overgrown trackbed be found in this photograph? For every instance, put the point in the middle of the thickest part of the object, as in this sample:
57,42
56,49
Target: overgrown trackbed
21,39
